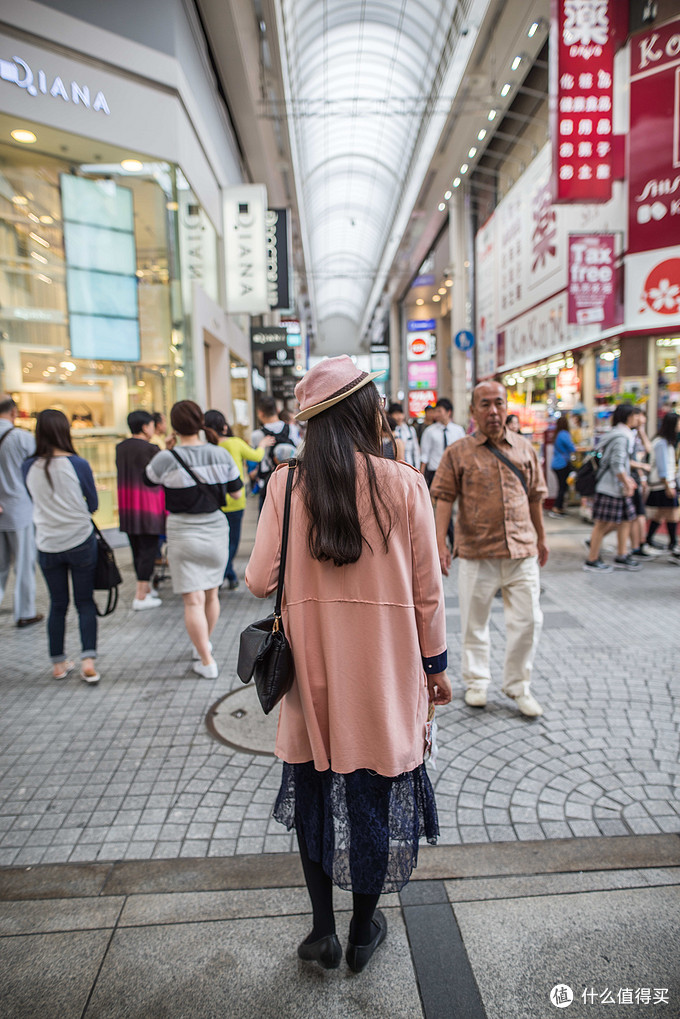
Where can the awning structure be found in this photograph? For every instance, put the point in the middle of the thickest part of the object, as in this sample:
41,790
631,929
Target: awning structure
368,86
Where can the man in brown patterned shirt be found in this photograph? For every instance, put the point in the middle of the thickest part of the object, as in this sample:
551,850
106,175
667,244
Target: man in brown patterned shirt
500,542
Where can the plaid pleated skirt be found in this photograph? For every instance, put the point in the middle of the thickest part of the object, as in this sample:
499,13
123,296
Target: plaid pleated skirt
613,509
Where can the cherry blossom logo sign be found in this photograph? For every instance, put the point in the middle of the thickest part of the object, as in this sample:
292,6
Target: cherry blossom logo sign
661,291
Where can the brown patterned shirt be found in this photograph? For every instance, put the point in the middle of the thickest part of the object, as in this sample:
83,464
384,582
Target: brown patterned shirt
493,519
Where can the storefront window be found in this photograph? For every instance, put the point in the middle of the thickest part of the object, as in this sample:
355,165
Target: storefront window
37,362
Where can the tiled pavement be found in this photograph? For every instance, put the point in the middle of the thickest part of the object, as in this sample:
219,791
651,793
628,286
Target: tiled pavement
128,771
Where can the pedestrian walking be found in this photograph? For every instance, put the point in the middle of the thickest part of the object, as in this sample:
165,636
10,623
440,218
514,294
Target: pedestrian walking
407,433
495,477
662,501
435,439
62,488
235,506
613,508
270,425
363,611
563,451
196,477
141,510
17,531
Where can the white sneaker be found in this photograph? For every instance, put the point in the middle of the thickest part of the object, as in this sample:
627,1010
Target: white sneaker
528,705
207,671
475,698
146,603
195,657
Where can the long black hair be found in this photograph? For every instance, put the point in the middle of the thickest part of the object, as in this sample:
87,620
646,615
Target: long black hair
668,427
52,431
216,420
327,476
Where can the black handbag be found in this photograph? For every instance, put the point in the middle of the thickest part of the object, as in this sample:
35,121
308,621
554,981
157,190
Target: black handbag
264,653
106,574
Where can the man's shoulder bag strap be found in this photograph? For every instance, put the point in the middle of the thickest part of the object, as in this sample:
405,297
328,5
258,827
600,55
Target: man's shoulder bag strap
508,463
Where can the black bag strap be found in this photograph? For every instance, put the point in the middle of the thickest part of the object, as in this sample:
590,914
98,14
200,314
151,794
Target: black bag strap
292,464
197,481
508,463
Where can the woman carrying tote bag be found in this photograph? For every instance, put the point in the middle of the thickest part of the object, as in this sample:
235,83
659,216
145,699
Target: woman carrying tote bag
363,610
62,488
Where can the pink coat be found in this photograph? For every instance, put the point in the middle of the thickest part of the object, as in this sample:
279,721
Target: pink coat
358,632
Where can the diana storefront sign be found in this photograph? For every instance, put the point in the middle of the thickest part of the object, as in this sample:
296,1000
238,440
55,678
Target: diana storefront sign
245,248
19,72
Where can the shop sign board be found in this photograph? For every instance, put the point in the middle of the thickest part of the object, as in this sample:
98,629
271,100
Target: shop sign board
654,139
245,249
568,386
419,325
278,262
486,299
607,375
36,82
581,99
421,346
268,337
419,399
539,333
423,375
653,289
592,280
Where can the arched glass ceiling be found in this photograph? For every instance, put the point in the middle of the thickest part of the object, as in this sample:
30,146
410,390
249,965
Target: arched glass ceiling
358,74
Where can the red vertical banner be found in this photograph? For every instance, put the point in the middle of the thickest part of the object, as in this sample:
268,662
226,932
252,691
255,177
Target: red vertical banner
581,99
654,149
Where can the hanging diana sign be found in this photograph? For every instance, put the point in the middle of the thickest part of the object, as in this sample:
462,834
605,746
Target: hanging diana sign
19,72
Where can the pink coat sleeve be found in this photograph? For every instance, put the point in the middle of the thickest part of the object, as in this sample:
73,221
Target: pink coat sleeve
262,571
428,589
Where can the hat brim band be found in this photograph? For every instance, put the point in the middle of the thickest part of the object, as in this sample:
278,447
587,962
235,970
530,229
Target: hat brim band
341,394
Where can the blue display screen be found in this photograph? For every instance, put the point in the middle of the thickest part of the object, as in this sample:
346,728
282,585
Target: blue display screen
101,265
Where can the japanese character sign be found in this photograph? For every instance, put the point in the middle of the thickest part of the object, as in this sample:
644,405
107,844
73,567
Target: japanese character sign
581,95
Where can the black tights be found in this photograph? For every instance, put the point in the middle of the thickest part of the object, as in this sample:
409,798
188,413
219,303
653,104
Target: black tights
320,888
671,527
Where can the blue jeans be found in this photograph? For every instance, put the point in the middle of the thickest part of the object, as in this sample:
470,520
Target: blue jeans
235,519
80,562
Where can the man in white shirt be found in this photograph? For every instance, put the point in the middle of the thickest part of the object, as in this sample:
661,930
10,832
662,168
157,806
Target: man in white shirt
407,434
435,439
17,538
270,424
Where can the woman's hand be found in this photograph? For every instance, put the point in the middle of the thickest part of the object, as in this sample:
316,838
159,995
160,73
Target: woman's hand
266,441
439,687
171,441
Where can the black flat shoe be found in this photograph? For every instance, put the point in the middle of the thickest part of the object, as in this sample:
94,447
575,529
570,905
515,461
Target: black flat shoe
358,956
326,951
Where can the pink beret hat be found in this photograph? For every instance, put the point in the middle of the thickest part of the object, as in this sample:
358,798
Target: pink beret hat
327,383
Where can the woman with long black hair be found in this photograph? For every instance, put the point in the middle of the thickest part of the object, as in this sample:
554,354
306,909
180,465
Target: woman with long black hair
196,477
62,488
364,613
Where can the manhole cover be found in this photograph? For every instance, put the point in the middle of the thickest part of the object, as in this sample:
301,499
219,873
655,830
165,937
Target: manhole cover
238,721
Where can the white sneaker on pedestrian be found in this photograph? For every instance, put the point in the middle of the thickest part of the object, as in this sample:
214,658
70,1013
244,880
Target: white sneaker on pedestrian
146,603
195,657
207,671
475,698
528,705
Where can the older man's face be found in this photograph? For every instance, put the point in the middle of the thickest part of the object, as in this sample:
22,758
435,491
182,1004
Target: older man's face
490,409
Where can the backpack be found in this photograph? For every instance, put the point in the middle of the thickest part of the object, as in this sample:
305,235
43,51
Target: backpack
592,468
266,466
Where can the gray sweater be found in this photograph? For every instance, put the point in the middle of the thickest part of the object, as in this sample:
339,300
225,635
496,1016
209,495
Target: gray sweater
615,460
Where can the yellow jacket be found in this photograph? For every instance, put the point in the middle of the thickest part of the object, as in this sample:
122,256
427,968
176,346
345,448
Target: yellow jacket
240,452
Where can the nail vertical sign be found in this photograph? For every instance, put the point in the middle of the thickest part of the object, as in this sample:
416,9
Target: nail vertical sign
581,99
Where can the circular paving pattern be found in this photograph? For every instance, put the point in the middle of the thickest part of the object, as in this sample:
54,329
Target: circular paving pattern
239,721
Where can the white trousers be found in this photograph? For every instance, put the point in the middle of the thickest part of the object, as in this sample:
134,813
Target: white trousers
19,547
518,580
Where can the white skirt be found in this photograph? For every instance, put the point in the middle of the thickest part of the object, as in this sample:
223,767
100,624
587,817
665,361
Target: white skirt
198,547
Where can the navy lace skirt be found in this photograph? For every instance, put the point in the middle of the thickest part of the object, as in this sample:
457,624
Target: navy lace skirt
362,828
